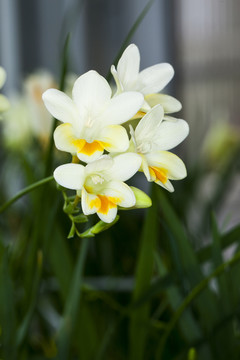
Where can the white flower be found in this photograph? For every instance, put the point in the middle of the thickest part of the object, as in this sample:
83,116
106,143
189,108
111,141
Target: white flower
101,183
17,132
4,103
39,118
92,118
148,81
151,139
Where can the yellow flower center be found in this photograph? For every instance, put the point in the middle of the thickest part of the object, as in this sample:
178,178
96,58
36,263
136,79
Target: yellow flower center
158,174
88,148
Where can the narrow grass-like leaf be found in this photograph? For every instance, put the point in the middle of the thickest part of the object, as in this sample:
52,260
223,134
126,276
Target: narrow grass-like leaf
188,325
224,181
8,321
72,304
205,303
195,292
218,260
64,67
86,337
144,271
227,239
22,330
130,35
58,252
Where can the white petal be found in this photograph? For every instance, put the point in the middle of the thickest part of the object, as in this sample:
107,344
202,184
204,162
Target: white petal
91,91
128,67
169,103
109,216
60,106
154,78
117,80
121,108
115,138
124,166
87,158
2,76
70,176
168,186
64,137
175,167
171,133
121,193
147,126
103,163
145,168
90,202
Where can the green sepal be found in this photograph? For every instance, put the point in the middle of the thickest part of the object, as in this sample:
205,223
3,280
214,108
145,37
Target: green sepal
81,218
99,227
142,200
72,231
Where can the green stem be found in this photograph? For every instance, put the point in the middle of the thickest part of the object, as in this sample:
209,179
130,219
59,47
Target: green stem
72,304
192,295
25,191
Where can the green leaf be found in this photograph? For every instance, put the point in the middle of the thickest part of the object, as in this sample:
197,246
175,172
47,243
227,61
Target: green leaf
58,252
193,294
227,239
7,311
218,260
140,316
130,35
72,304
191,273
188,325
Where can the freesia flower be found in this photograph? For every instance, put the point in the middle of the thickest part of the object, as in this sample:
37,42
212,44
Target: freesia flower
4,103
152,139
148,81
91,119
100,184
39,118
17,132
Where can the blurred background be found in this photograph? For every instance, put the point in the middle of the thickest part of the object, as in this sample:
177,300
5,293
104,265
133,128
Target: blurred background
199,38
151,262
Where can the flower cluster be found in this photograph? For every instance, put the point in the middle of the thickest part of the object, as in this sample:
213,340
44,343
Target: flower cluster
92,131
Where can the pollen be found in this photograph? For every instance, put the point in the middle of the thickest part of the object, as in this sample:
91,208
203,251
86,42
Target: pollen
158,174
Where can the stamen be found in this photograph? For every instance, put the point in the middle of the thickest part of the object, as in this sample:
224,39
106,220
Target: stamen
96,179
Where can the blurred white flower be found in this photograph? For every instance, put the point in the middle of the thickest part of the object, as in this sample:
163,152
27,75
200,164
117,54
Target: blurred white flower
101,183
40,120
148,81
221,142
92,118
4,103
16,126
27,118
151,139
